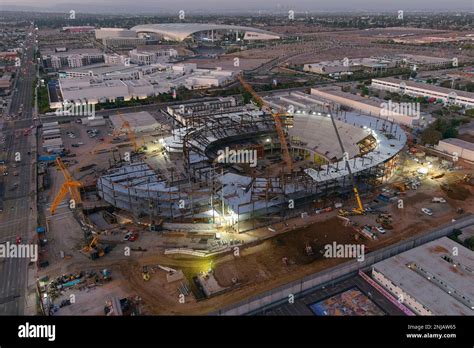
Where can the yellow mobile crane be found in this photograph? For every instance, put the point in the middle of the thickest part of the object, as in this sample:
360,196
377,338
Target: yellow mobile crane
70,185
276,116
360,208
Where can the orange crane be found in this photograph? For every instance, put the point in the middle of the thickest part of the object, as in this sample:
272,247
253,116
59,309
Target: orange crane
70,185
276,116
130,132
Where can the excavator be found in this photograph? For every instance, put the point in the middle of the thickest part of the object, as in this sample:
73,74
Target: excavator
93,243
94,249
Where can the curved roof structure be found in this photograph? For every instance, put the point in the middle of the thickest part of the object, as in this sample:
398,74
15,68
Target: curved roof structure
181,31
316,133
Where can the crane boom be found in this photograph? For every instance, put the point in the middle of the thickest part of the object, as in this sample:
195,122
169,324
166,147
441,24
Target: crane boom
276,116
360,208
130,133
70,185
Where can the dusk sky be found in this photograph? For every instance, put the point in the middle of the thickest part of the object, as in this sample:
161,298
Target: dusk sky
127,6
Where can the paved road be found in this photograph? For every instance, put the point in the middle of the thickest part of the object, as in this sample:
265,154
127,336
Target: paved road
14,220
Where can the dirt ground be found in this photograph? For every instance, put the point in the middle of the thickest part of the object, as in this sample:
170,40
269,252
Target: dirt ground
259,266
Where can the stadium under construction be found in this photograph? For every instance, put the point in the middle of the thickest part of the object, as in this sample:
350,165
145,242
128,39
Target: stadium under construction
331,151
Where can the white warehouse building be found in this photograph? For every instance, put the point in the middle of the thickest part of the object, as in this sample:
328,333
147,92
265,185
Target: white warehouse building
416,89
429,279
457,148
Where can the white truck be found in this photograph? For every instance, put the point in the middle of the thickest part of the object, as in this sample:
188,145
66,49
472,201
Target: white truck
438,200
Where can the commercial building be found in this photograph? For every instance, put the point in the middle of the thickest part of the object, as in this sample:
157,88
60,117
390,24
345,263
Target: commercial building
93,92
348,66
148,57
104,33
75,58
51,138
416,61
205,78
114,59
119,38
402,113
6,83
123,42
457,148
135,81
416,89
140,88
79,29
139,121
433,279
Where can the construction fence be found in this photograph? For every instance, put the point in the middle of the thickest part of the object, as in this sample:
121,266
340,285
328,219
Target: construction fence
308,284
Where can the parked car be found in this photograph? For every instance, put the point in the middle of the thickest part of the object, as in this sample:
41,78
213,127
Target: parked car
438,200
380,229
427,211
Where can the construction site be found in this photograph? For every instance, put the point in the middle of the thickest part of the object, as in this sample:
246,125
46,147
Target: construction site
193,207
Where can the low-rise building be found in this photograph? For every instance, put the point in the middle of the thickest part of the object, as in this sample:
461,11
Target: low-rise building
141,121
457,148
431,279
57,59
348,66
93,92
103,33
79,29
408,114
149,57
417,89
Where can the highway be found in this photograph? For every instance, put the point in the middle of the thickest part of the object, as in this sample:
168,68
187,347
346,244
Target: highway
17,217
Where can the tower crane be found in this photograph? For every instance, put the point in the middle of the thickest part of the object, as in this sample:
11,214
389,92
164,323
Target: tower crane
70,185
262,104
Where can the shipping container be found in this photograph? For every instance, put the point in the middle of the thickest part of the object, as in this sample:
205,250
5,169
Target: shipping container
47,158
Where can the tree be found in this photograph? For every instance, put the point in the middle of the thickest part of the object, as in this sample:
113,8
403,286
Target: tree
469,242
247,97
450,132
431,136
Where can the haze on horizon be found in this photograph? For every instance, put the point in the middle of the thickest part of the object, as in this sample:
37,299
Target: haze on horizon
144,6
